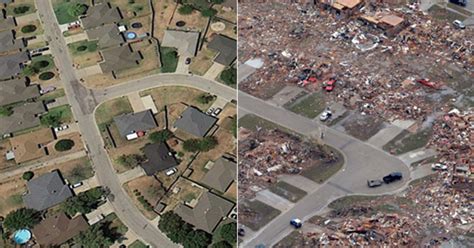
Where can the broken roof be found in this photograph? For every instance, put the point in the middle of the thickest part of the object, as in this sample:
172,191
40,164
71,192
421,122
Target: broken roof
195,122
227,48
186,42
46,191
30,146
10,65
57,229
107,35
349,3
23,117
119,58
135,122
392,20
207,213
17,90
101,14
159,158
221,175
8,41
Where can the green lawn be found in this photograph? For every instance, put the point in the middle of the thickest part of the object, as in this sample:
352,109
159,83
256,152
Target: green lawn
406,141
137,244
61,8
169,58
287,191
39,64
20,9
64,111
348,201
82,47
309,106
52,95
106,111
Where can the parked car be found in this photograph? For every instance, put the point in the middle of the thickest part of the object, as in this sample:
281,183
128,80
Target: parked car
171,171
374,183
329,85
438,166
325,115
187,61
210,111
61,128
392,177
47,89
76,185
459,24
216,112
241,232
459,2
296,223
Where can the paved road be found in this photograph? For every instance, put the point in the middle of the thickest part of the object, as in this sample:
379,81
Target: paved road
363,162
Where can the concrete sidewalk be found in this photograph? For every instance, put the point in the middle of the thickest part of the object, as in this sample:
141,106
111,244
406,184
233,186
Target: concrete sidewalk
131,174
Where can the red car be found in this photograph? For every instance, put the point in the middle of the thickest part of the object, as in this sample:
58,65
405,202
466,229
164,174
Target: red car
425,82
329,85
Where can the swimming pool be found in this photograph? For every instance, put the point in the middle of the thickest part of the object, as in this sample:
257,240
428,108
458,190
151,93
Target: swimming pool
131,35
22,236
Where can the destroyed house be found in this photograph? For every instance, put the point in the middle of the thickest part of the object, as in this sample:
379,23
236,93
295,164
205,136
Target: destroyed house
390,23
101,14
343,7
159,158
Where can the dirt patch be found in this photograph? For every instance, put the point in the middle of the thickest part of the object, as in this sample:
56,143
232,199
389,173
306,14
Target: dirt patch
150,189
362,126
287,191
183,189
168,95
202,62
164,11
256,214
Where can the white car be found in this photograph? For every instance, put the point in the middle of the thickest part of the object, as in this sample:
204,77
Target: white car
216,112
325,115
171,171
61,128
438,166
459,24
210,111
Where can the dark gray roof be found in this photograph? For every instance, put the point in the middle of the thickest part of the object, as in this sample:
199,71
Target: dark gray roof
135,122
6,22
17,90
8,41
6,1
221,175
159,158
207,213
23,117
46,191
185,41
107,35
195,122
10,65
227,48
101,14
119,58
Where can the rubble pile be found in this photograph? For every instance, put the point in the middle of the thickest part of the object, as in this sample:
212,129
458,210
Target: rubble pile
266,154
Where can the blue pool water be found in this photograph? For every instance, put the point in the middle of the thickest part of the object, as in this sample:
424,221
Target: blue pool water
131,35
22,236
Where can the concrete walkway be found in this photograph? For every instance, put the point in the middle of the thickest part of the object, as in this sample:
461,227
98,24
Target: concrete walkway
131,174
182,66
417,155
300,182
87,184
273,200
214,71
136,102
383,136
103,211
75,38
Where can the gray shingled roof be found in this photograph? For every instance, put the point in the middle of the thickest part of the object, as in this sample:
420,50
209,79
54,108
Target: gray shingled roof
221,175
107,35
195,122
8,41
185,42
227,48
6,22
207,213
23,117
159,158
10,65
17,90
46,191
119,58
135,122
101,14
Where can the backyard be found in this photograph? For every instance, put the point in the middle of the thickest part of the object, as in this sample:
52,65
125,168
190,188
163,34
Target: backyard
68,11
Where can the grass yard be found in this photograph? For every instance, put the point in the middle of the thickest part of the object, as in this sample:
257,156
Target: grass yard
169,59
137,244
106,111
323,171
80,171
262,214
309,106
202,62
170,95
287,191
145,192
362,127
21,7
406,141
81,47
64,111
61,8
52,95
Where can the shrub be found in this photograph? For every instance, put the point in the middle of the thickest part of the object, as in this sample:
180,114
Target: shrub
217,1
229,76
6,111
21,218
84,202
131,160
46,75
209,12
81,48
185,9
41,64
77,9
28,29
205,98
21,9
229,232
200,145
28,175
160,136
64,145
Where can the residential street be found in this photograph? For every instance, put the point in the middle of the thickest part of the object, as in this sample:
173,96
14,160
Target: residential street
363,162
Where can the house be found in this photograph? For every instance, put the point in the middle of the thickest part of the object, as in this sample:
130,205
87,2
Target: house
32,145
17,90
221,175
46,191
186,42
119,58
226,48
195,122
57,229
12,64
159,158
101,14
132,123
107,36
8,42
207,213
24,116
6,22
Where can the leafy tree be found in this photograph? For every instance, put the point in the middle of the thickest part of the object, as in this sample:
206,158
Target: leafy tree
205,98
84,202
174,227
28,29
131,160
64,145
229,232
21,218
200,145
160,136
221,244
229,76
21,9
185,9
233,128
30,70
6,111
52,119
197,239
209,12
28,175
94,237
217,1
77,9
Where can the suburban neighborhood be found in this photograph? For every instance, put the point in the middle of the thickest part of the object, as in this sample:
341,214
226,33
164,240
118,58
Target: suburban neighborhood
118,123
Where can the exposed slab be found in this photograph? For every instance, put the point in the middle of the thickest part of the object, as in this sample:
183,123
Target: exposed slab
274,200
286,94
300,182
385,135
417,155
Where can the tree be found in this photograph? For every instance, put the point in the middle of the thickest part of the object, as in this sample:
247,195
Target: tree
185,9
64,145
205,98
217,1
84,202
197,239
77,9
200,145
221,244
209,12
28,175
21,218
229,232
6,111
174,227
229,76
28,29
94,237
160,136
130,161
52,119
